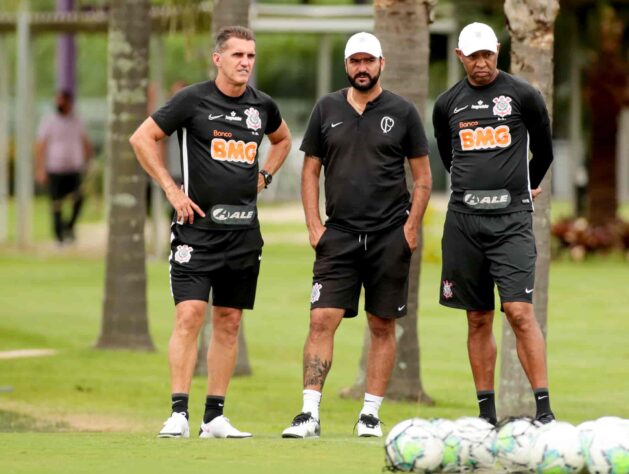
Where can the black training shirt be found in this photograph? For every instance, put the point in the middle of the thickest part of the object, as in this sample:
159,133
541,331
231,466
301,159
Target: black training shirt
484,134
363,158
219,137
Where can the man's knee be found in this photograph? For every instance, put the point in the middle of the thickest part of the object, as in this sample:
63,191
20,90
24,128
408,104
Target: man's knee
324,321
520,316
189,319
381,328
480,321
226,322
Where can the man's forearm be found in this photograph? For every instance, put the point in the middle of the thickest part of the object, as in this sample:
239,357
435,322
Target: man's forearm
310,199
148,153
277,155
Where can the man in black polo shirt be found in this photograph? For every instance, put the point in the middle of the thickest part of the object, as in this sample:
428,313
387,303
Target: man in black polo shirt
362,137
216,242
484,127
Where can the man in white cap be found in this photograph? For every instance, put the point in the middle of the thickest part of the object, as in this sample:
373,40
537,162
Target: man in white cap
485,126
361,136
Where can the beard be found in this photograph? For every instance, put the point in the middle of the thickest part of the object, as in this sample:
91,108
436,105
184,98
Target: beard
363,87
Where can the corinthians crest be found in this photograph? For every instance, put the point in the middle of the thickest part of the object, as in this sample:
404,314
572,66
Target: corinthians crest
253,119
183,254
502,106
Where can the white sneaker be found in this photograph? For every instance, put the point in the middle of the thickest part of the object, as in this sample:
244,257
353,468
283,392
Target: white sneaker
369,427
220,427
175,427
304,425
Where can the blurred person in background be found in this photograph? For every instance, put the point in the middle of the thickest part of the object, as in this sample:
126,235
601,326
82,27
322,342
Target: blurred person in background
62,151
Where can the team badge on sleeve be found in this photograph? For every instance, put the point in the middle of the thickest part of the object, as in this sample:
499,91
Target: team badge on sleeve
253,119
502,106
183,254
316,292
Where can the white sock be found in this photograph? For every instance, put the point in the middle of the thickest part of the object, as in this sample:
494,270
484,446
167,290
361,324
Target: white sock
312,400
371,405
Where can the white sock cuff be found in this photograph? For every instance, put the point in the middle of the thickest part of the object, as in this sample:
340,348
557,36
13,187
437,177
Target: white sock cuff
371,406
313,395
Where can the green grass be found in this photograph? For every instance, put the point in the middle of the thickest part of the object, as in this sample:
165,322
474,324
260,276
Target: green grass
85,410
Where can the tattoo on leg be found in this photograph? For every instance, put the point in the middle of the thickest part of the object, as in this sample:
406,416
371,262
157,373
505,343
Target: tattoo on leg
315,370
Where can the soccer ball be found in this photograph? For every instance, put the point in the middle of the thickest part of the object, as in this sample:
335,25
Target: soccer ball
412,445
605,446
477,440
556,449
513,444
448,433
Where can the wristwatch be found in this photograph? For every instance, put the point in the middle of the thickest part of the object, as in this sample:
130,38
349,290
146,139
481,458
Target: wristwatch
268,178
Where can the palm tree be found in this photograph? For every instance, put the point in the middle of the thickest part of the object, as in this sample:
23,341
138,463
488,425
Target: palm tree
225,13
531,26
124,321
402,27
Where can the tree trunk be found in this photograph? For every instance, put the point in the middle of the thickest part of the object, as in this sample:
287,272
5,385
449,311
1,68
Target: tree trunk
402,28
225,13
124,322
531,26
607,78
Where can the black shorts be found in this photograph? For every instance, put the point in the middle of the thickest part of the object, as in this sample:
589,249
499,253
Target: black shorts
62,184
226,262
346,261
480,250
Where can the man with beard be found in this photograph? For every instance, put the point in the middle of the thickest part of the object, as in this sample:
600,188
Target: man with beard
362,137
61,153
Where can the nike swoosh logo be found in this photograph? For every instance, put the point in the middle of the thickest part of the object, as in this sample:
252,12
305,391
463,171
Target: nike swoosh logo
457,110
214,117
482,400
542,397
527,291
401,307
336,124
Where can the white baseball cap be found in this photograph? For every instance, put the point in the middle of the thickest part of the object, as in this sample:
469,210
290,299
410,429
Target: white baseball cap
363,43
477,37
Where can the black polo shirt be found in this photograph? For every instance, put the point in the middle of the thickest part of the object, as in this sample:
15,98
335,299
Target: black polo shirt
219,137
363,158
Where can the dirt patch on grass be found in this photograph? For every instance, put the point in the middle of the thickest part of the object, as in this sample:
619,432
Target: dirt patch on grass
18,417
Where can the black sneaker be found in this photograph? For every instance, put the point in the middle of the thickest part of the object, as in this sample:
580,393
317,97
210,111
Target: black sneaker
545,418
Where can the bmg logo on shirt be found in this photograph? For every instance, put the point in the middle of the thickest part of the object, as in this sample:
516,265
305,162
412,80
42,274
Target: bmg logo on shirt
485,138
234,150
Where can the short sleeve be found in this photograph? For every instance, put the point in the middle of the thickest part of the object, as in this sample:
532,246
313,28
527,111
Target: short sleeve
174,114
311,143
415,142
274,118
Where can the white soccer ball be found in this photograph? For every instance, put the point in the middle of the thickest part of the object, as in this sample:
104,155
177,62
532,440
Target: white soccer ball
513,444
449,434
556,449
412,445
477,441
605,446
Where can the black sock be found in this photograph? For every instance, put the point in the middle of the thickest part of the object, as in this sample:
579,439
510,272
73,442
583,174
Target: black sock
487,404
180,403
213,407
542,401
58,225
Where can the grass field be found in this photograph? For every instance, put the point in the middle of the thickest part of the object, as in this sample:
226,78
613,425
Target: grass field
83,410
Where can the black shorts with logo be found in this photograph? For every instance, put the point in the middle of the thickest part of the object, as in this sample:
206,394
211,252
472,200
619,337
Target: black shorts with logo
62,184
227,262
346,261
480,250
